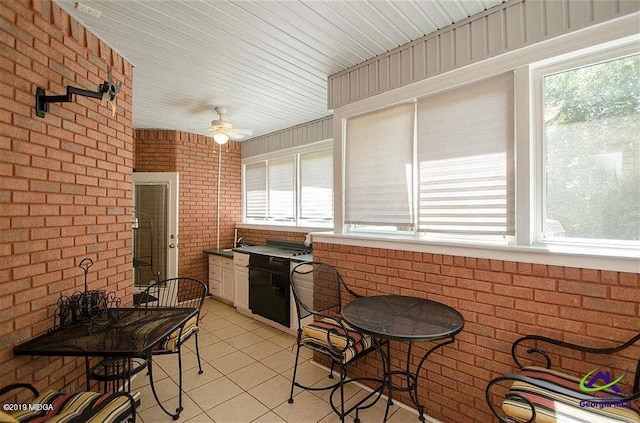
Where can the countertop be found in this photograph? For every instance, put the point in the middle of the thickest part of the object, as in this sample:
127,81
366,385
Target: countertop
226,252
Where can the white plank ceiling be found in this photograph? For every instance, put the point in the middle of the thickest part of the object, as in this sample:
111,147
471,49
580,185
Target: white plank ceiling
265,61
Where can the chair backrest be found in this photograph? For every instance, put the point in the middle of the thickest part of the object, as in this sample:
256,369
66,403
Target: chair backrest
317,289
175,292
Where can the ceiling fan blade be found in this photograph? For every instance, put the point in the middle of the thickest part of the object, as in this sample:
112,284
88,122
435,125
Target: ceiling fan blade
235,136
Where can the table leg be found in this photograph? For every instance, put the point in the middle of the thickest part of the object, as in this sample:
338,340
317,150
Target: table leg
175,416
413,393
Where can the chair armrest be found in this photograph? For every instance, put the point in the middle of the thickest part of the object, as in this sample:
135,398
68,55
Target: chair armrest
574,347
13,386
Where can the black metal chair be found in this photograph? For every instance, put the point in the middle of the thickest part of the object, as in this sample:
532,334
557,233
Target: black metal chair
318,290
542,395
183,293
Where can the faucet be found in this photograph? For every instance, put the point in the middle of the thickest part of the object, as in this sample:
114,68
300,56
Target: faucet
240,242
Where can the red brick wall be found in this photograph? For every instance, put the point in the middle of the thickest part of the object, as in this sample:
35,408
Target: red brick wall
195,158
65,181
500,302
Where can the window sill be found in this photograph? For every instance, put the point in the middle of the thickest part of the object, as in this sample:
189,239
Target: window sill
623,260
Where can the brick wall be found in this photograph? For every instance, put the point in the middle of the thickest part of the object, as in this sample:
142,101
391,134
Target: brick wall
195,158
65,181
500,302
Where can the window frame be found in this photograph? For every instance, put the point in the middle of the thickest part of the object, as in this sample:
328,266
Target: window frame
537,72
294,152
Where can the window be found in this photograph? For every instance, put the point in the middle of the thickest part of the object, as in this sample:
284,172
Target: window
291,189
440,167
590,118
379,170
465,156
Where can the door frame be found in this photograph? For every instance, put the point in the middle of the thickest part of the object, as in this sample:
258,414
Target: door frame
171,180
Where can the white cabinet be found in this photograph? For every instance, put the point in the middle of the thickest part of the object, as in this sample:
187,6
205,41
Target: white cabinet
221,277
241,282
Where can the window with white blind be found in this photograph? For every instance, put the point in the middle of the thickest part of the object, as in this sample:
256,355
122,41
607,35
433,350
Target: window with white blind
316,188
465,159
255,189
379,170
281,189
293,189
440,167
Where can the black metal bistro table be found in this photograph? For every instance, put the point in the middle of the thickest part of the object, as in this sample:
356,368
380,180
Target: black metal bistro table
125,333
406,319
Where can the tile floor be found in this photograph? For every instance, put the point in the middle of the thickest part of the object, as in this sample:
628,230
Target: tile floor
247,377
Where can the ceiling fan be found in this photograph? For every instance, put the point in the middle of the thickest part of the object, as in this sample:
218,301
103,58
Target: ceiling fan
224,131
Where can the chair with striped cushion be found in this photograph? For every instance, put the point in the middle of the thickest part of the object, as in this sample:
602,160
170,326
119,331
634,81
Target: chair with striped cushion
318,291
84,407
539,394
177,292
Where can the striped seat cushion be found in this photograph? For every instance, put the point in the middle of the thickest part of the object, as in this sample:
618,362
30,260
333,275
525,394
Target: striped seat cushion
555,408
320,334
171,342
84,407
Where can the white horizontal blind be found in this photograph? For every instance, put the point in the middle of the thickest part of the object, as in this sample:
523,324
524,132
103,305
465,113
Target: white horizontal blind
465,159
316,187
379,170
255,179
281,183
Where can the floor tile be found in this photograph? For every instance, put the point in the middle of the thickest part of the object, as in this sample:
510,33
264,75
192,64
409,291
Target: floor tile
273,392
270,417
244,340
262,349
214,393
240,409
251,375
306,408
191,379
281,361
155,415
228,332
232,362
214,351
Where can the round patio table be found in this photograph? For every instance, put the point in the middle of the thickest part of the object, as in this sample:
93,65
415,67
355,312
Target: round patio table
405,319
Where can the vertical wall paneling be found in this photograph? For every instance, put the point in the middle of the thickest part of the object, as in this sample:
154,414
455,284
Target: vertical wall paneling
295,136
372,71
514,27
463,45
506,27
479,40
419,61
446,51
556,16
406,66
433,58
579,14
496,30
534,22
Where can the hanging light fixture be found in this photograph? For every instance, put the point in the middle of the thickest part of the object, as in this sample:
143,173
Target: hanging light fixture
220,138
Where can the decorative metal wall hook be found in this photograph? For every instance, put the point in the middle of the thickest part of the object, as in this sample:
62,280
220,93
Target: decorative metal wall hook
107,92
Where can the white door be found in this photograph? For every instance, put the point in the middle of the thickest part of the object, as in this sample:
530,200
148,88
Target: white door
155,227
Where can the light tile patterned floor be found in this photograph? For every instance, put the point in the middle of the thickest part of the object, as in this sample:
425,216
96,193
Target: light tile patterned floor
247,377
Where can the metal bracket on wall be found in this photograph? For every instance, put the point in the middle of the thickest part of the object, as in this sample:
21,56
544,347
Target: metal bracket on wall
107,92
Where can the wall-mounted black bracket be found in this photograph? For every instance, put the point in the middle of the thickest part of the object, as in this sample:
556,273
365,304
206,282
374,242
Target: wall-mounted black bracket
42,100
